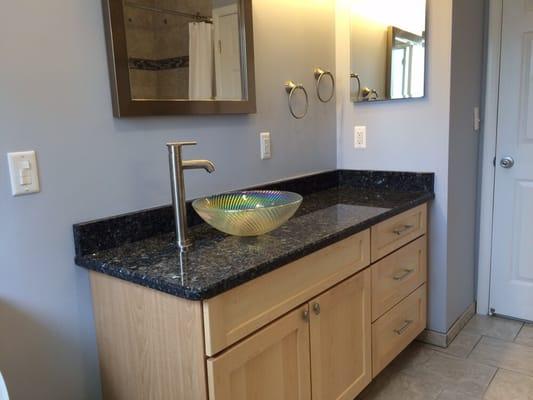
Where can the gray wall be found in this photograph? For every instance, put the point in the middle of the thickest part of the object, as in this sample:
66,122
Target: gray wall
55,99
410,135
466,88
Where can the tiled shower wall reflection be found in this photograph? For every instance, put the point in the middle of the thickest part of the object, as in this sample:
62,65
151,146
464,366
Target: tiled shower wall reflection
158,44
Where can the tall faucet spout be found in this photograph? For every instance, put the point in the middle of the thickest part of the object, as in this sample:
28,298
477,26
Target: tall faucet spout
199,164
177,165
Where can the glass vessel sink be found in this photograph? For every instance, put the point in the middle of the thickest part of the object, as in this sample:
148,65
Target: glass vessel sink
249,213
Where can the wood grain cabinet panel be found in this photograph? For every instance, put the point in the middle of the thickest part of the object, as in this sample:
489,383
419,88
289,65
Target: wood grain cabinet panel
393,332
341,361
235,314
397,231
398,275
272,364
150,343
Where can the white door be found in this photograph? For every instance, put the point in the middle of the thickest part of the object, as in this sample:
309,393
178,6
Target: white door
512,256
228,52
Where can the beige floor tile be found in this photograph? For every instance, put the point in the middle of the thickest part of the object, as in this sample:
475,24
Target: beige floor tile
502,354
398,386
526,335
455,374
451,395
461,347
509,385
415,355
494,327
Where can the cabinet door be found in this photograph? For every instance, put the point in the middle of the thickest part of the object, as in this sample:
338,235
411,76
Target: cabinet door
272,364
341,340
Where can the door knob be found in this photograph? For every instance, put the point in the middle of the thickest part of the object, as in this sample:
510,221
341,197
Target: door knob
507,162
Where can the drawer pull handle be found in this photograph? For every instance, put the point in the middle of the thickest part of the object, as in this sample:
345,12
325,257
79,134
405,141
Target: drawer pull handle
305,316
402,229
404,327
316,308
401,276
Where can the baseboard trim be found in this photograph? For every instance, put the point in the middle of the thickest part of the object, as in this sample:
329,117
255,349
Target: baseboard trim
444,339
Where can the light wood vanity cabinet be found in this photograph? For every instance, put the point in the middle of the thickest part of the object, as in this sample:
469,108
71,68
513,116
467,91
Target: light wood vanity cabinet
328,341
319,328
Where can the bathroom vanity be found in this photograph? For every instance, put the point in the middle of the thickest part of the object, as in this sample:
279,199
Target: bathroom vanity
313,310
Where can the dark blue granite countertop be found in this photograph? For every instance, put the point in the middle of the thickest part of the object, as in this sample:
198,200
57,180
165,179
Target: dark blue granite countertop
219,262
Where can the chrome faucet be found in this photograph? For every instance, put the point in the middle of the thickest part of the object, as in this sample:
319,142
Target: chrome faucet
177,182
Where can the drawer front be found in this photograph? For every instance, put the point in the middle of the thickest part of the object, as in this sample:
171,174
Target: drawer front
393,332
398,275
398,231
239,312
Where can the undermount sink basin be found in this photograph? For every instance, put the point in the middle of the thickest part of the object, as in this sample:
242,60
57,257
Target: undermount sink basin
249,213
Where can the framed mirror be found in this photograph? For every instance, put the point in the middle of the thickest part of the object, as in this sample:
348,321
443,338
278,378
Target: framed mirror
180,57
387,49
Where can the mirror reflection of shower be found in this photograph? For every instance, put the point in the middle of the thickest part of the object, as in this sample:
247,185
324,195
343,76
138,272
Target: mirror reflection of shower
185,50
388,49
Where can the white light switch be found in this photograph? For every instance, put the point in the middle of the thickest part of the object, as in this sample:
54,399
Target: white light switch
24,173
477,119
266,146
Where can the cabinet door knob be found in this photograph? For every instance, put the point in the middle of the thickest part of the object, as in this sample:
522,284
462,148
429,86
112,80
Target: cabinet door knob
305,315
316,308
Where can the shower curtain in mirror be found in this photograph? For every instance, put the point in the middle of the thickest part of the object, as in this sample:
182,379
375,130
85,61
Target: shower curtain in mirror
201,56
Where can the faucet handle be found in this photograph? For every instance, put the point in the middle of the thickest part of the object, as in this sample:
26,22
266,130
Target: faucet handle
181,144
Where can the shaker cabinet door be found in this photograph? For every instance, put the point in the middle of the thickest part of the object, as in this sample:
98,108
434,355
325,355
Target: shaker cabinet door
272,364
341,339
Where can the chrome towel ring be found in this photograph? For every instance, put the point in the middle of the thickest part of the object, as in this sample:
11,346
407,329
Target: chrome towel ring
291,88
358,80
319,75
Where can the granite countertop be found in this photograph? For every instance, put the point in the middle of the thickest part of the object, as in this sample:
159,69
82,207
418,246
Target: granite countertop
219,262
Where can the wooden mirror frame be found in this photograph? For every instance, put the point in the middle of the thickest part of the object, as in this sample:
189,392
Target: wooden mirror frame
123,103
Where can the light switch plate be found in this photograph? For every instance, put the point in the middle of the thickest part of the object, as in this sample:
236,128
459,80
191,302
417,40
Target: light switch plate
477,119
24,173
266,146
359,141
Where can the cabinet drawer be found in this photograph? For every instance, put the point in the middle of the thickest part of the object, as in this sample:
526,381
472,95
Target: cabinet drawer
239,312
398,275
398,231
393,332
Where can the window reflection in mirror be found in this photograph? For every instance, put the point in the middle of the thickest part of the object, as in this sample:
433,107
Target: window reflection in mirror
185,50
388,49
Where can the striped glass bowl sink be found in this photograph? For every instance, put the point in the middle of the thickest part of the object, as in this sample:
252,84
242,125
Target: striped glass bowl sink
249,213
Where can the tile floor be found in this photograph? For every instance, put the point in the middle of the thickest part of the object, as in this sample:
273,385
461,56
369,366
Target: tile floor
491,359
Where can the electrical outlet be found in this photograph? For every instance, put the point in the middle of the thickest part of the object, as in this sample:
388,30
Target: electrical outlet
266,146
359,137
